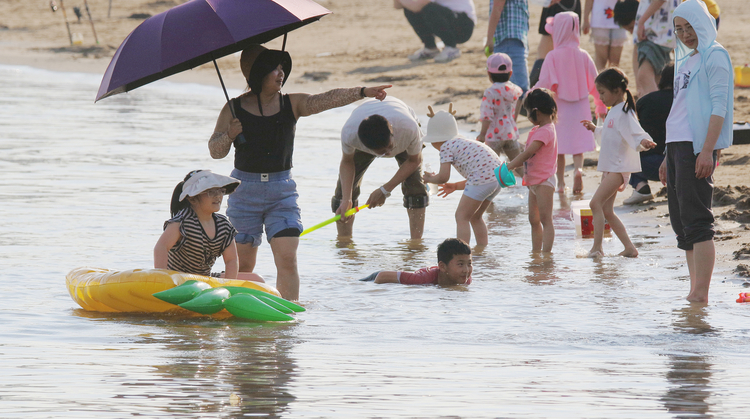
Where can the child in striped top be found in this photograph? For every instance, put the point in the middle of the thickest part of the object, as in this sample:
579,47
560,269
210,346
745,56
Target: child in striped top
196,235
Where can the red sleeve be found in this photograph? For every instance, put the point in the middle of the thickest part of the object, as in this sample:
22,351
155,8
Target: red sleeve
423,276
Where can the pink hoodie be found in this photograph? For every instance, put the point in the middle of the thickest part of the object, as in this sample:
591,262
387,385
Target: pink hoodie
568,70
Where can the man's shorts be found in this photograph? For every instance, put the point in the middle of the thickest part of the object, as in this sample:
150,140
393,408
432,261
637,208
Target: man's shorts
413,188
657,55
263,199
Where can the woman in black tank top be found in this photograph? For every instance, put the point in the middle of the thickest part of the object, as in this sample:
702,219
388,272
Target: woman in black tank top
267,120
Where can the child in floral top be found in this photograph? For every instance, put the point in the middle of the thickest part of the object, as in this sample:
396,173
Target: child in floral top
499,109
474,161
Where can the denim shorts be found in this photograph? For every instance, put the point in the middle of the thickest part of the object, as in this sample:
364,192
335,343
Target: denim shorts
485,192
518,53
263,199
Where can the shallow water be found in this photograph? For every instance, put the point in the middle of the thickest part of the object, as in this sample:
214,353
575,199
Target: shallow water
562,336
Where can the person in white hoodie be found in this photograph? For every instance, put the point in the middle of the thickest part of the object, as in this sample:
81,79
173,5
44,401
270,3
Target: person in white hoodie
699,124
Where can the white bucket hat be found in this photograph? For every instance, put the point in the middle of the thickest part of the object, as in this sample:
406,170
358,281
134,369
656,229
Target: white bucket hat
203,180
441,127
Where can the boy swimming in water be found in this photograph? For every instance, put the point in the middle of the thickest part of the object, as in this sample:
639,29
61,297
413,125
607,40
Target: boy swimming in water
454,268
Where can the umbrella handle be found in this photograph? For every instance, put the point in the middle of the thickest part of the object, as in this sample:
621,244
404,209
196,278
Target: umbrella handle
240,138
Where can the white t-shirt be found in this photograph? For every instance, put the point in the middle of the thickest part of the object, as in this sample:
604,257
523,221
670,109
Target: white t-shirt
603,14
460,6
678,123
659,27
621,136
473,160
406,133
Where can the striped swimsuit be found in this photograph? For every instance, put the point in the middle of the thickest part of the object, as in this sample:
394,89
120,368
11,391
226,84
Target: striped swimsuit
195,253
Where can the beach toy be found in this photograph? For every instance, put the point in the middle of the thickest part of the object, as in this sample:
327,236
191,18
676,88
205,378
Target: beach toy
278,303
334,219
504,176
248,306
742,76
583,219
744,297
166,291
182,293
209,301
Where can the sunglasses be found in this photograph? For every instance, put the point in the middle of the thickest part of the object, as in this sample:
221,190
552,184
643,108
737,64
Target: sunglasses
215,192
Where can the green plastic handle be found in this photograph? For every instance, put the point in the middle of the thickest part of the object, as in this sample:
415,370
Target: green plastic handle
334,219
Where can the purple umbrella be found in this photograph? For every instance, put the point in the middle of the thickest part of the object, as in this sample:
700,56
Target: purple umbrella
198,32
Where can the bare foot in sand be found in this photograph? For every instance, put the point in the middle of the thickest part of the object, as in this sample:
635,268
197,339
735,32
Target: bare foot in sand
577,181
630,253
595,254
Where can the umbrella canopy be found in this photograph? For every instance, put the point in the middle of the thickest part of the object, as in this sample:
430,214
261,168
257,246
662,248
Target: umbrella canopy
198,32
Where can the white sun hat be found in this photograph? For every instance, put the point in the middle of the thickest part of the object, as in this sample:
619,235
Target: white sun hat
441,127
203,180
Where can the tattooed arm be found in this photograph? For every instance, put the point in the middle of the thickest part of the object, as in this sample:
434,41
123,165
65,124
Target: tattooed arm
305,104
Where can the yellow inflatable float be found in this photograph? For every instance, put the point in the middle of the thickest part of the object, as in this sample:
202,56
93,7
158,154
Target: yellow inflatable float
161,291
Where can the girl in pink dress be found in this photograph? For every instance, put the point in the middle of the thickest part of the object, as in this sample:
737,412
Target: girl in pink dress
570,72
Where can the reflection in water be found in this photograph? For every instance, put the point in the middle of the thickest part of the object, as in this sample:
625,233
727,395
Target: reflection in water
233,367
541,269
689,374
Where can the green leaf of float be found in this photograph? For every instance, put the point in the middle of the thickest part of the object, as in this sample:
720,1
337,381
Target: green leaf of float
182,293
209,301
264,296
247,306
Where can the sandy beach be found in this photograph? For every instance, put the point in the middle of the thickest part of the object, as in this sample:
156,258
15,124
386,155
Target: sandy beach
366,43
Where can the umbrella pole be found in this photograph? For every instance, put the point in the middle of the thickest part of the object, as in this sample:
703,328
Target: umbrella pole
67,25
283,43
239,139
86,3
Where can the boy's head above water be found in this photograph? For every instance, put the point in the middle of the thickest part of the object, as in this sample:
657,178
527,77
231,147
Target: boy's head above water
454,262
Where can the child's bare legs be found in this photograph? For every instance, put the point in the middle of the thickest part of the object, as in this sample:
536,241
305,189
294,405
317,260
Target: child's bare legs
540,218
466,220
577,173
561,173
700,262
602,207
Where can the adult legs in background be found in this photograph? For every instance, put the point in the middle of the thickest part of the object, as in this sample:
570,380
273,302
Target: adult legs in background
362,161
577,173
518,53
416,198
646,79
639,181
436,20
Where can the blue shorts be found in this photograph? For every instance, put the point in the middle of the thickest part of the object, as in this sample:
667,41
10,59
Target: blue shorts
268,199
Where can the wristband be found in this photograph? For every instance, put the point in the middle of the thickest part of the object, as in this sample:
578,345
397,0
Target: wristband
385,192
362,92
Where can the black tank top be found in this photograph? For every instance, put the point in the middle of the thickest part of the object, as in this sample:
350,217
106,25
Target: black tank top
270,139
